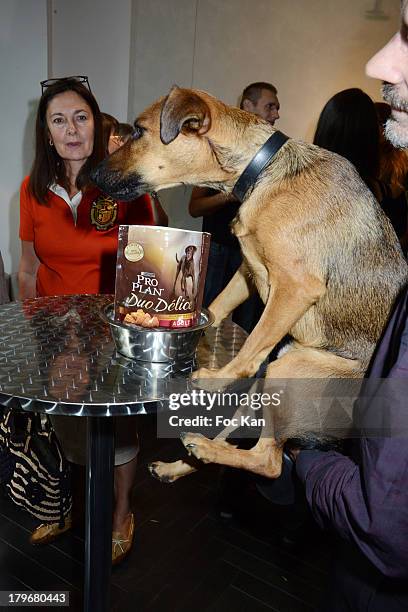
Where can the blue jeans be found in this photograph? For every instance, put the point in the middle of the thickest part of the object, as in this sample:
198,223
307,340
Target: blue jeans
223,262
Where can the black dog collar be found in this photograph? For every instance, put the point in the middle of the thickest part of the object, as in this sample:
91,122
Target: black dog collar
258,163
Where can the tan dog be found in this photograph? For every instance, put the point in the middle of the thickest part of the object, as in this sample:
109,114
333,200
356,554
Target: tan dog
323,256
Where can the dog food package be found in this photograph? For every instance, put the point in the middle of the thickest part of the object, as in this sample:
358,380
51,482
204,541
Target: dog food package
160,275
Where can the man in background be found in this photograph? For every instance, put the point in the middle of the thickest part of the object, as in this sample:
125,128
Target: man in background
262,100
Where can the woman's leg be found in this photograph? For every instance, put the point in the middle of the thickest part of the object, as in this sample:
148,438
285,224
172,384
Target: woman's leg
123,484
126,450
123,523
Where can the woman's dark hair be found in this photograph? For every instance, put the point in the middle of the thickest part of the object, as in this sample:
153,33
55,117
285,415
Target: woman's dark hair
109,123
48,167
348,126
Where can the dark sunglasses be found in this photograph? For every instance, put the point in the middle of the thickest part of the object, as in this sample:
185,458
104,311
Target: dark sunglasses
80,78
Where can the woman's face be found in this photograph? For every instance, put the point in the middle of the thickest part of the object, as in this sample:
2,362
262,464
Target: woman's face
71,127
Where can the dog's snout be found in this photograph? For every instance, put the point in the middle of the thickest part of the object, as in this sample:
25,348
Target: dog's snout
98,174
115,184
106,179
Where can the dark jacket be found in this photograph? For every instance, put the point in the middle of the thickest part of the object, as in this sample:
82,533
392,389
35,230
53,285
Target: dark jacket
364,498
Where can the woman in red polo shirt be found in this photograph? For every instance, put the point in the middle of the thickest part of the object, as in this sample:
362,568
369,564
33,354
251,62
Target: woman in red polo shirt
69,235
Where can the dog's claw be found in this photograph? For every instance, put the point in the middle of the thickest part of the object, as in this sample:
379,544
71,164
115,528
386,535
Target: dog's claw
193,447
152,467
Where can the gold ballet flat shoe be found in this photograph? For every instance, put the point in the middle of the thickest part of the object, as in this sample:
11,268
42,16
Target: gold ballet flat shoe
122,542
47,532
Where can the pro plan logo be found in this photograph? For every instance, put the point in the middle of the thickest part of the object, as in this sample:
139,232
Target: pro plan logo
104,211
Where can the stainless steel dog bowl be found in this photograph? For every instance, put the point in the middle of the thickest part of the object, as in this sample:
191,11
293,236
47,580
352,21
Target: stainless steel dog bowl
156,345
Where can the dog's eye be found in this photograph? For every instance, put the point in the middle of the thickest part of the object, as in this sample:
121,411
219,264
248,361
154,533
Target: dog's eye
138,132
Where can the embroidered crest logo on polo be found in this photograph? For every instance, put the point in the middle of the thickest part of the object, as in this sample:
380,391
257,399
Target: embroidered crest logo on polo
104,212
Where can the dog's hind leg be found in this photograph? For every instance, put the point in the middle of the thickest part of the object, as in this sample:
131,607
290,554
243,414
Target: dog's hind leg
235,293
265,458
289,420
168,472
320,390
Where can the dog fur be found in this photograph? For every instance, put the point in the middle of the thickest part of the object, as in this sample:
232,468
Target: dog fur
315,244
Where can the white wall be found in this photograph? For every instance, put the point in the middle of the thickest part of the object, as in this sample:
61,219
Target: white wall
163,34
309,49
23,63
92,37
162,54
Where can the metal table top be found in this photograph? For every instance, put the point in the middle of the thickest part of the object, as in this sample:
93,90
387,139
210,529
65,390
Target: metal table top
57,356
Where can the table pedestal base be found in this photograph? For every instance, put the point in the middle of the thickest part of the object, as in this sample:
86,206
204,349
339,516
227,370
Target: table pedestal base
98,519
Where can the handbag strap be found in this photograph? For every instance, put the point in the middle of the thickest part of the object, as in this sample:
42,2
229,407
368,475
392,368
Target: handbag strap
6,425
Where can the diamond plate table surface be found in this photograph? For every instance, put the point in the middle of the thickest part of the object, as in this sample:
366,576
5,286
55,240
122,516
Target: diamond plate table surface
57,356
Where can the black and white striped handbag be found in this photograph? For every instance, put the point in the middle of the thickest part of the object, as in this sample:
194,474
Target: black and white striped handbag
33,468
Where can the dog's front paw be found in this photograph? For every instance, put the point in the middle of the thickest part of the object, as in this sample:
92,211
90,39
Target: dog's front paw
217,322
203,373
224,373
210,380
219,317
159,470
170,472
204,449
197,445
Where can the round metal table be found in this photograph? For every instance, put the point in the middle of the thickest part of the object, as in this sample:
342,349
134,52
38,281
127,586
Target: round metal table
57,356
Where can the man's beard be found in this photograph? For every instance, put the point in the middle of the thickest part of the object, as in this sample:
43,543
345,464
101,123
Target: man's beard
394,131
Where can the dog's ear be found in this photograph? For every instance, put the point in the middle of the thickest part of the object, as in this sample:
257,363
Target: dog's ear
183,111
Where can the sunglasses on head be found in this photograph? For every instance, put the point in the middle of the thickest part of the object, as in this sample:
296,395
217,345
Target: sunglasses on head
80,78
